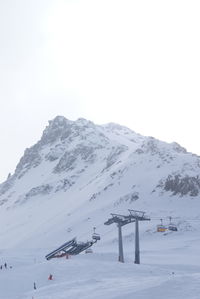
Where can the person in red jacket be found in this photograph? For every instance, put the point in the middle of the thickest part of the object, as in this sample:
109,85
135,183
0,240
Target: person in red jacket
50,277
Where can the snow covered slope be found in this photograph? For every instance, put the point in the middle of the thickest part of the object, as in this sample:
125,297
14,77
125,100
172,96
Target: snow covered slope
80,172
77,174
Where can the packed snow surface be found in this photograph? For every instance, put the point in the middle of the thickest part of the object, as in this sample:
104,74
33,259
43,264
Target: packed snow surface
170,268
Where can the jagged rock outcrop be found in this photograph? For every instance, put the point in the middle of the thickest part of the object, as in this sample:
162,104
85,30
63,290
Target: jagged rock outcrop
181,185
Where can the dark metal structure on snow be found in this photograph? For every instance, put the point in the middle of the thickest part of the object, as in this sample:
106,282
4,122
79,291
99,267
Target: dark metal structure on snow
72,247
120,220
137,216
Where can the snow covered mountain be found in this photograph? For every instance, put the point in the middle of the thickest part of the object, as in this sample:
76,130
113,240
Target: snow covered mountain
79,172
69,182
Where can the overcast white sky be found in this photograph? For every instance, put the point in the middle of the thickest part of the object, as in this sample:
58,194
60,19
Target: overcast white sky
136,63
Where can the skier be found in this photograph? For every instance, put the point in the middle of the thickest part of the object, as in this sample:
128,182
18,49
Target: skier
34,286
50,277
5,265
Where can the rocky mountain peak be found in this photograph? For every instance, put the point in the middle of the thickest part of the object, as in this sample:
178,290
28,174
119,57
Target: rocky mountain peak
74,150
82,121
57,128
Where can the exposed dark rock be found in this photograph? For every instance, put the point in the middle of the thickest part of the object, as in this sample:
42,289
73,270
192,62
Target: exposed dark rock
129,198
178,148
40,190
55,153
178,184
31,158
94,196
64,185
59,127
114,155
139,151
4,187
67,162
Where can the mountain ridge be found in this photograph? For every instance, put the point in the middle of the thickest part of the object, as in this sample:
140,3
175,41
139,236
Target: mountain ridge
81,168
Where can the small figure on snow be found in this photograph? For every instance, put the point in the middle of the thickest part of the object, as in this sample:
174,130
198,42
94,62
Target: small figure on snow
5,265
34,286
50,277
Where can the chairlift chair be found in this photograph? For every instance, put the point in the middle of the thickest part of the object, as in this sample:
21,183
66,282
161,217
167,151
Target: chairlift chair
95,236
173,227
89,250
161,227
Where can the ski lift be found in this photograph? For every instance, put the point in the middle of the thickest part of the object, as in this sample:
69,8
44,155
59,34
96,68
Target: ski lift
172,226
89,250
95,236
161,227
